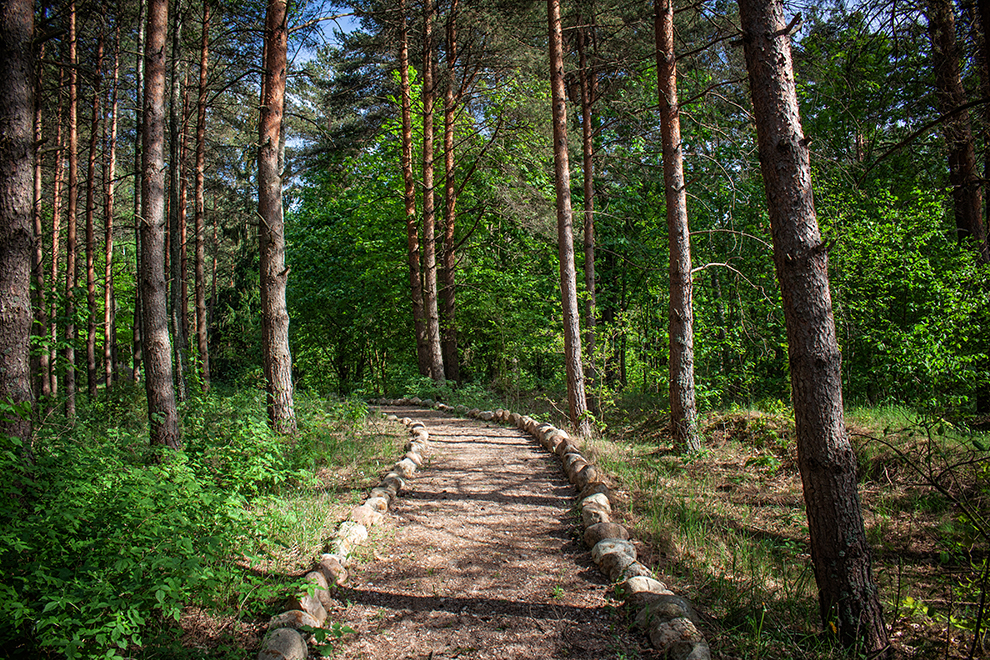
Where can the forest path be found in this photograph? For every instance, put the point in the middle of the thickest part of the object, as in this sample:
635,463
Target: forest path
478,560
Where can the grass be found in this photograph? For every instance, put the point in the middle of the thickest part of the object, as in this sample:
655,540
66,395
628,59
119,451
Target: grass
727,526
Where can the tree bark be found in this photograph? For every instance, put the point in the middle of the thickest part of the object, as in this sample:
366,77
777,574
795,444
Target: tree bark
202,338
94,135
70,222
683,410
586,77
967,194
429,209
577,403
451,362
16,234
109,323
412,226
848,597
40,359
275,317
158,383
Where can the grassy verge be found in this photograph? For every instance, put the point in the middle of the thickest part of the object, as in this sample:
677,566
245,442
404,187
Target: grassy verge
727,526
109,548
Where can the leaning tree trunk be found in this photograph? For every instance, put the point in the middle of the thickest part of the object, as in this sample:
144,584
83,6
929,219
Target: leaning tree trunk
683,411
412,227
274,315
964,178
94,139
16,197
202,343
162,414
429,209
70,222
577,403
848,597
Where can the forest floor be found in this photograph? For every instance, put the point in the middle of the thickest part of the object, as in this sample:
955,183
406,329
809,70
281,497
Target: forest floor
480,558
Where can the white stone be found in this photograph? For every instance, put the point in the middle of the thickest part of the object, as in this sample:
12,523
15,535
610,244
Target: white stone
283,644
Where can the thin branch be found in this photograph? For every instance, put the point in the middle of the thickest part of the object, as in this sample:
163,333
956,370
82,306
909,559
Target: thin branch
921,131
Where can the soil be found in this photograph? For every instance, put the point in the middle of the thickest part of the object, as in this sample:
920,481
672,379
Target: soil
480,558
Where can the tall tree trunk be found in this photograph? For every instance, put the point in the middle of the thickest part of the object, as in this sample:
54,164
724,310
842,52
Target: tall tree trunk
16,197
848,597
586,77
409,197
202,338
110,172
577,403
429,208
70,222
963,175
683,411
176,247
94,139
40,359
274,274
451,362
162,414
137,350
183,213
56,237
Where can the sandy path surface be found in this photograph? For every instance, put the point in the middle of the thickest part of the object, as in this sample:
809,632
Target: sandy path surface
479,558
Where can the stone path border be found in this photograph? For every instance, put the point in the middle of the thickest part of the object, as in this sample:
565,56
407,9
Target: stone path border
667,619
286,639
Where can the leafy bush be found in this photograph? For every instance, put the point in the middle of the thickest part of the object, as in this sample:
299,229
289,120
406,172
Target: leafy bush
101,535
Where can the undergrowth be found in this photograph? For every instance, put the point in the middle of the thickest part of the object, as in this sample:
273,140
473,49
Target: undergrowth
727,526
104,540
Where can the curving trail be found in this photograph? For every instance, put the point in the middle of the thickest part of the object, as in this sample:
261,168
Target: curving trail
479,558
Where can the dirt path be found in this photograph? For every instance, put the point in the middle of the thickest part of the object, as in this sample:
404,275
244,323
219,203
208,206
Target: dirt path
479,559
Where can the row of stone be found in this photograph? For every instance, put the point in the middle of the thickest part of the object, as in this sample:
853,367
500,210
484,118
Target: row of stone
287,636
667,619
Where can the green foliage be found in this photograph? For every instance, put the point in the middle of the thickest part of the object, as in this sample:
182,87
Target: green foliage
102,537
909,301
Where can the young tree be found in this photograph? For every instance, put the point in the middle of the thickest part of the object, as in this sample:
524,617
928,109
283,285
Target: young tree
576,400
162,414
94,135
70,221
110,172
274,316
683,411
587,79
40,361
16,197
412,226
848,597
451,361
202,342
